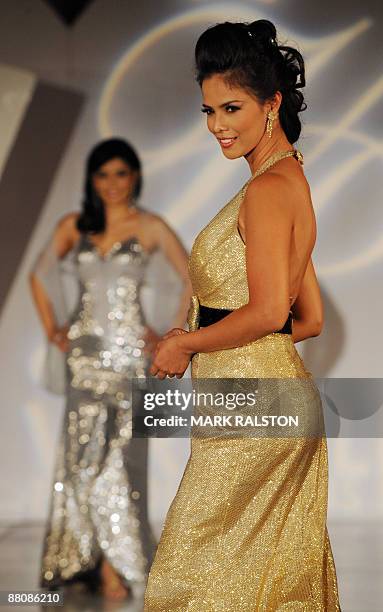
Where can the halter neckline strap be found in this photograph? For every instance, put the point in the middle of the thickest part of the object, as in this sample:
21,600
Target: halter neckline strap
273,159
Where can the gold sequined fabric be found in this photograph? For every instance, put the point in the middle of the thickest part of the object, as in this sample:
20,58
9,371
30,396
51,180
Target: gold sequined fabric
247,528
98,504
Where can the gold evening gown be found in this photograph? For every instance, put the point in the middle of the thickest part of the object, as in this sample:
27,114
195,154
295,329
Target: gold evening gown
247,528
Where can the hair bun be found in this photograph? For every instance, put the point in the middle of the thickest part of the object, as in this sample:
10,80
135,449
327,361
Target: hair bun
263,31
294,70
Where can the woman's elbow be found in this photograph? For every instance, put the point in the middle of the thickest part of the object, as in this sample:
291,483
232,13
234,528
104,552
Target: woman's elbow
316,327
312,327
275,321
278,320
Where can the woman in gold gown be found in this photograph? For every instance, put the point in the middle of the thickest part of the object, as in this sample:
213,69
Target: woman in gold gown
247,528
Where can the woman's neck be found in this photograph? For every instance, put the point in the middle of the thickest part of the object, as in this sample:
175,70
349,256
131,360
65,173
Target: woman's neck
266,148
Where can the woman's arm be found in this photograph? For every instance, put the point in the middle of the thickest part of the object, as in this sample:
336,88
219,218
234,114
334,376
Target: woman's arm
308,307
174,251
64,237
268,223
269,214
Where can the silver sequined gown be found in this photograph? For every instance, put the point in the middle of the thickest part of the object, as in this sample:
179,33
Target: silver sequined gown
99,498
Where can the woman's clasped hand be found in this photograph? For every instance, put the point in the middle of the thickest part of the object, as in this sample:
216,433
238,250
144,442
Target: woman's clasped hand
171,358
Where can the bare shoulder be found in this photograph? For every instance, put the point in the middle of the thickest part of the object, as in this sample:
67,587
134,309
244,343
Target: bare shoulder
270,193
68,223
161,235
66,232
154,223
277,191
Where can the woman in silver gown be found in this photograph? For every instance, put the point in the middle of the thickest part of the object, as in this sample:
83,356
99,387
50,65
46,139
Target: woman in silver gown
98,527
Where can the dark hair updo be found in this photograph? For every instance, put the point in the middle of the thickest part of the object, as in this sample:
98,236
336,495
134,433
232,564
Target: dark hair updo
92,218
249,56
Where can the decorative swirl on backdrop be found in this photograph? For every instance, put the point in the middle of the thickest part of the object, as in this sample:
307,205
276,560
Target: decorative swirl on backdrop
195,195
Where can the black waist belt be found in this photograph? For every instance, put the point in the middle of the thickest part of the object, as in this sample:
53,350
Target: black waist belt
208,316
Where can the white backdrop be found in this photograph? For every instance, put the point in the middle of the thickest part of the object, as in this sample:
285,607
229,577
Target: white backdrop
135,68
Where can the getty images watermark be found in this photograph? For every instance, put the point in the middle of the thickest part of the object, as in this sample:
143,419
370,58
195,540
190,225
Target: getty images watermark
184,401
259,407
227,408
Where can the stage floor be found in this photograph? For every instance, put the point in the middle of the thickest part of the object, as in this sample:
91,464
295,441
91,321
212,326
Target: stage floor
358,551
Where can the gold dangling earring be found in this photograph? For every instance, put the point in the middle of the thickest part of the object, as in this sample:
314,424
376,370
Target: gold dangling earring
269,125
